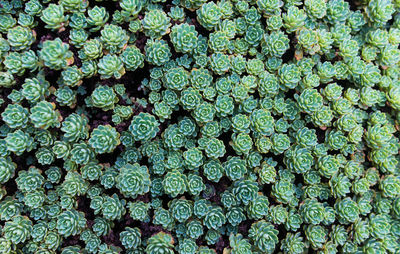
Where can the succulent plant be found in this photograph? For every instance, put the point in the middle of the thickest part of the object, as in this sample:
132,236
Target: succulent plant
132,58
44,116
66,96
7,169
156,23
54,16
104,97
75,127
19,142
70,222
131,238
20,38
174,126
174,183
161,242
209,15
111,66
114,38
133,180
56,54
113,208
144,127
157,52
264,236
97,17
184,37
139,210
17,230
104,139
15,116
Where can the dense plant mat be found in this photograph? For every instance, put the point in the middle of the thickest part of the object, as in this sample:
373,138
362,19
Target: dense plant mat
199,126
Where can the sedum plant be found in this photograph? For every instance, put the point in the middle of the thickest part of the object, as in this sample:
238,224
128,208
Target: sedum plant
184,37
144,127
131,238
54,16
104,139
20,38
70,222
15,116
110,66
156,23
133,180
7,170
55,54
199,126
44,116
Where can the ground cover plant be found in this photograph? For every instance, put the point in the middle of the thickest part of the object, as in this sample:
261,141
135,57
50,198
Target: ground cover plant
199,126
